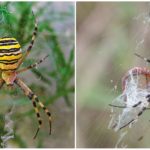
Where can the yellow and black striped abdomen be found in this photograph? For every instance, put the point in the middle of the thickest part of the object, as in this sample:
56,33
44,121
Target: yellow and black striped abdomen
10,53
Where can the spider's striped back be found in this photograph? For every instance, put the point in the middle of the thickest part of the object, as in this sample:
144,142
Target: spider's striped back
10,53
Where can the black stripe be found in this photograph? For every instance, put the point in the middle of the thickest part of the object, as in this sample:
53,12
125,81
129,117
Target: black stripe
8,41
9,50
9,54
6,44
38,115
31,96
49,113
37,99
148,96
34,33
44,108
29,48
5,61
140,113
9,63
36,28
40,122
137,104
34,104
7,69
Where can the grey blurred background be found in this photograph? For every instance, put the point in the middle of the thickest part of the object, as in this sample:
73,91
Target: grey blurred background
108,35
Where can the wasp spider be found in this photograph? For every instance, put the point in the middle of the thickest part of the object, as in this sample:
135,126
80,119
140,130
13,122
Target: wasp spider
11,57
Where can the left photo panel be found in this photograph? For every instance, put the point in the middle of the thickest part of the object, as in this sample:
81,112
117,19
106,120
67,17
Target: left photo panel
37,74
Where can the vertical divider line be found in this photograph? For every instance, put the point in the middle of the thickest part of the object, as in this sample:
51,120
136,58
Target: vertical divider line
75,100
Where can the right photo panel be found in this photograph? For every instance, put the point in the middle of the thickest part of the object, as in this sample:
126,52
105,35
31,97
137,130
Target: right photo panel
113,74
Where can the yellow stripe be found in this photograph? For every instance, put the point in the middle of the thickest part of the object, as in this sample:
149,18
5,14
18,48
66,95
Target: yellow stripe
9,46
33,38
3,39
3,66
41,104
11,57
36,110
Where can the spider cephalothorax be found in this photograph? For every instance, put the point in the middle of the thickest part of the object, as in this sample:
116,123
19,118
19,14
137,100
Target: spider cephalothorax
11,57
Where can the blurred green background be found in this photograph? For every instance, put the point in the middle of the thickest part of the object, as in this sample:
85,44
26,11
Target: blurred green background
52,81
108,35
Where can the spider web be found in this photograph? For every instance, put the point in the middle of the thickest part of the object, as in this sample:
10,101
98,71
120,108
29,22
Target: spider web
136,90
132,95
125,118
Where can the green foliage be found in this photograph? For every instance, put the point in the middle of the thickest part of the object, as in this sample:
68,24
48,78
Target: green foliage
2,128
63,67
16,20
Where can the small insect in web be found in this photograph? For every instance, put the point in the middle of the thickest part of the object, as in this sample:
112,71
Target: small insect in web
11,58
135,98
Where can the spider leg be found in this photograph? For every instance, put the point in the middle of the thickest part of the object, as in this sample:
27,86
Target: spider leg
139,114
127,124
27,91
33,65
31,43
145,59
117,106
127,107
1,83
135,105
38,116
